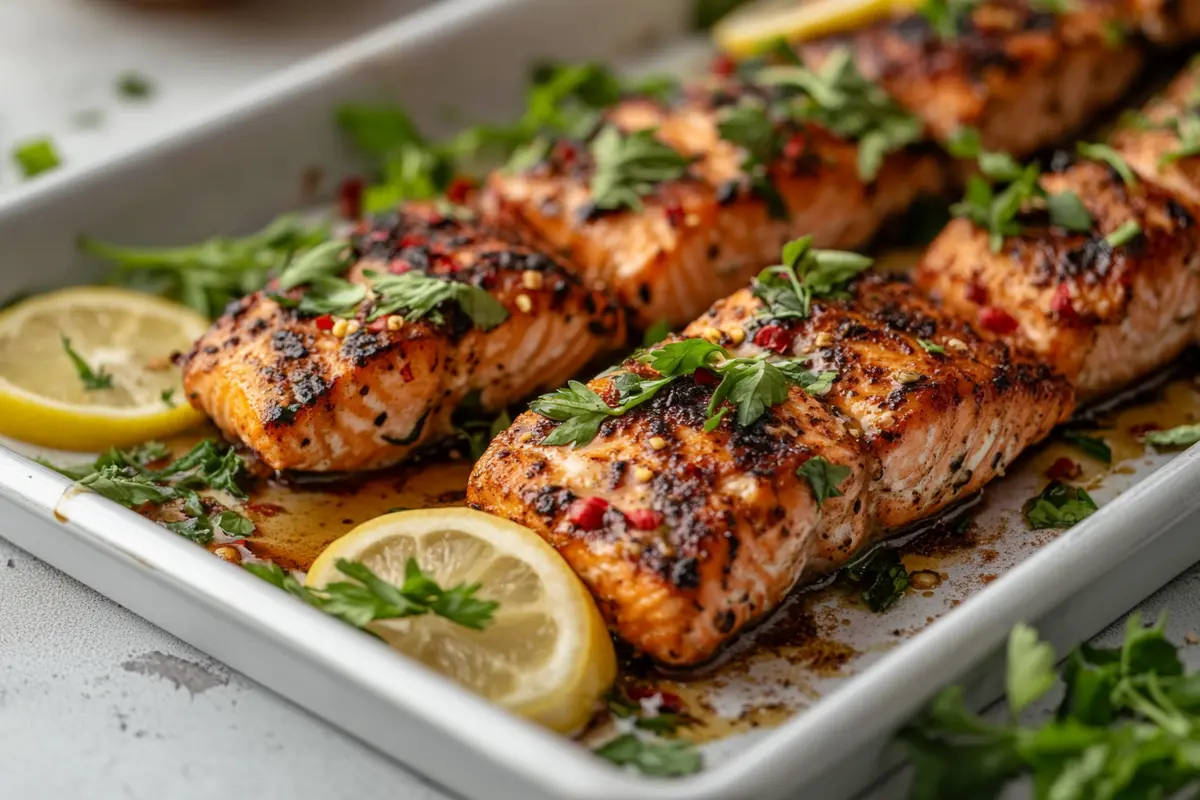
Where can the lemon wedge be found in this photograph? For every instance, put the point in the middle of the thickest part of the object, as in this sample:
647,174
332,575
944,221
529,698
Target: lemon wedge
748,30
124,339
546,654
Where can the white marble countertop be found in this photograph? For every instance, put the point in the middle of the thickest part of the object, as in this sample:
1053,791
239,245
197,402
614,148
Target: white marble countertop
94,701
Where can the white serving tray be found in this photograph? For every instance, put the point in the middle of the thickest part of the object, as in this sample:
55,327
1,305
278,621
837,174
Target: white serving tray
275,148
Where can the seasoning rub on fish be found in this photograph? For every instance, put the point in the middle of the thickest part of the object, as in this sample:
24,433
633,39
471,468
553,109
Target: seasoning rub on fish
798,421
363,353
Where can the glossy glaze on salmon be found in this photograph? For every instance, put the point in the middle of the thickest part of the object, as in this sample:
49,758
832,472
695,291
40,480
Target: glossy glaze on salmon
732,526
1102,315
703,236
1024,78
304,398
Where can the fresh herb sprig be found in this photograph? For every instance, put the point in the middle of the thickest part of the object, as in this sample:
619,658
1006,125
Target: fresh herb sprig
208,275
126,477
367,597
823,478
1179,436
92,379
1094,446
420,295
747,386
752,126
629,166
1126,726
1059,505
659,758
880,577
787,289
838,98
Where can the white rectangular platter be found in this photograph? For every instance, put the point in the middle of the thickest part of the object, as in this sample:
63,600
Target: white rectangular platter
796,721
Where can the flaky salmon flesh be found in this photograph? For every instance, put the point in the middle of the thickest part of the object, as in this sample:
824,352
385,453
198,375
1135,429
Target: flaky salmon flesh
1021,76
302,397
704,236
706,532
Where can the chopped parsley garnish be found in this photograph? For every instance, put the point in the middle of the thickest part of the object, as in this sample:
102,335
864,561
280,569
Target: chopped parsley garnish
996,199
125,477
1125,727
1059,506
1094,447
1109,156
1187,130
326,260
475,427
1124,235
823,478
657,758
92,380
748,386
947,17
880,576
35,157
133,86
837,97
629,166
787,289
662,722
366,597
656,333
168,397
419,296
751,127
208,275
1179,436
931,347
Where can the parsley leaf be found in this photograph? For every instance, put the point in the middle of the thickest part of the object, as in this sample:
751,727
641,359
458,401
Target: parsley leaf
787,289
1179,436
36,156
168,397
326,260
656,758
931,347
1187,130
92,380
838,98
947,17
1030,668
369,598
683,357
208,275
1096,448
880,576
420,295
1106,154
1068,212
823,478
582,411
656,333
750,126
628,166
1059,506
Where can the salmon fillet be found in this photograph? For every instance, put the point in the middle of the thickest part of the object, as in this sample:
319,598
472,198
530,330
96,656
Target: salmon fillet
1101,315
303,398
1023,78
701,237
1151,144
936,426
703,533
731,524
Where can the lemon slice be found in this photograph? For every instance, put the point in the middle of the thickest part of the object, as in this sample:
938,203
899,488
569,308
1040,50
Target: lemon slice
546,654
127,336
748,30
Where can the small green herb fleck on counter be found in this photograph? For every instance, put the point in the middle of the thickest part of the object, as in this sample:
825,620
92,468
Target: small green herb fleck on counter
35,157
661,758
126,477
367,597
1126,726
134,86
92,380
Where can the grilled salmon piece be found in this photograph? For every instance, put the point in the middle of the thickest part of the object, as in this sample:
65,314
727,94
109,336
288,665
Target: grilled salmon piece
939,410
1024,78
303,398
703,236
683,536
1151,144
1167,21
1101,315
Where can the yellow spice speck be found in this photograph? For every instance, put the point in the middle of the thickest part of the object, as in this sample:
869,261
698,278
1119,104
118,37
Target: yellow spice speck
524,303
395,323
643,474
736,335
532,279
823,339
957,345
657,443
525,437
712,334
907,376
340,328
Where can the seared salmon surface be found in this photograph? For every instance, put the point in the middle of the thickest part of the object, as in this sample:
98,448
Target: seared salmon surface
705,234
1102,315
937,409
303,397
1153,142
683,536
1023,77
699,533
